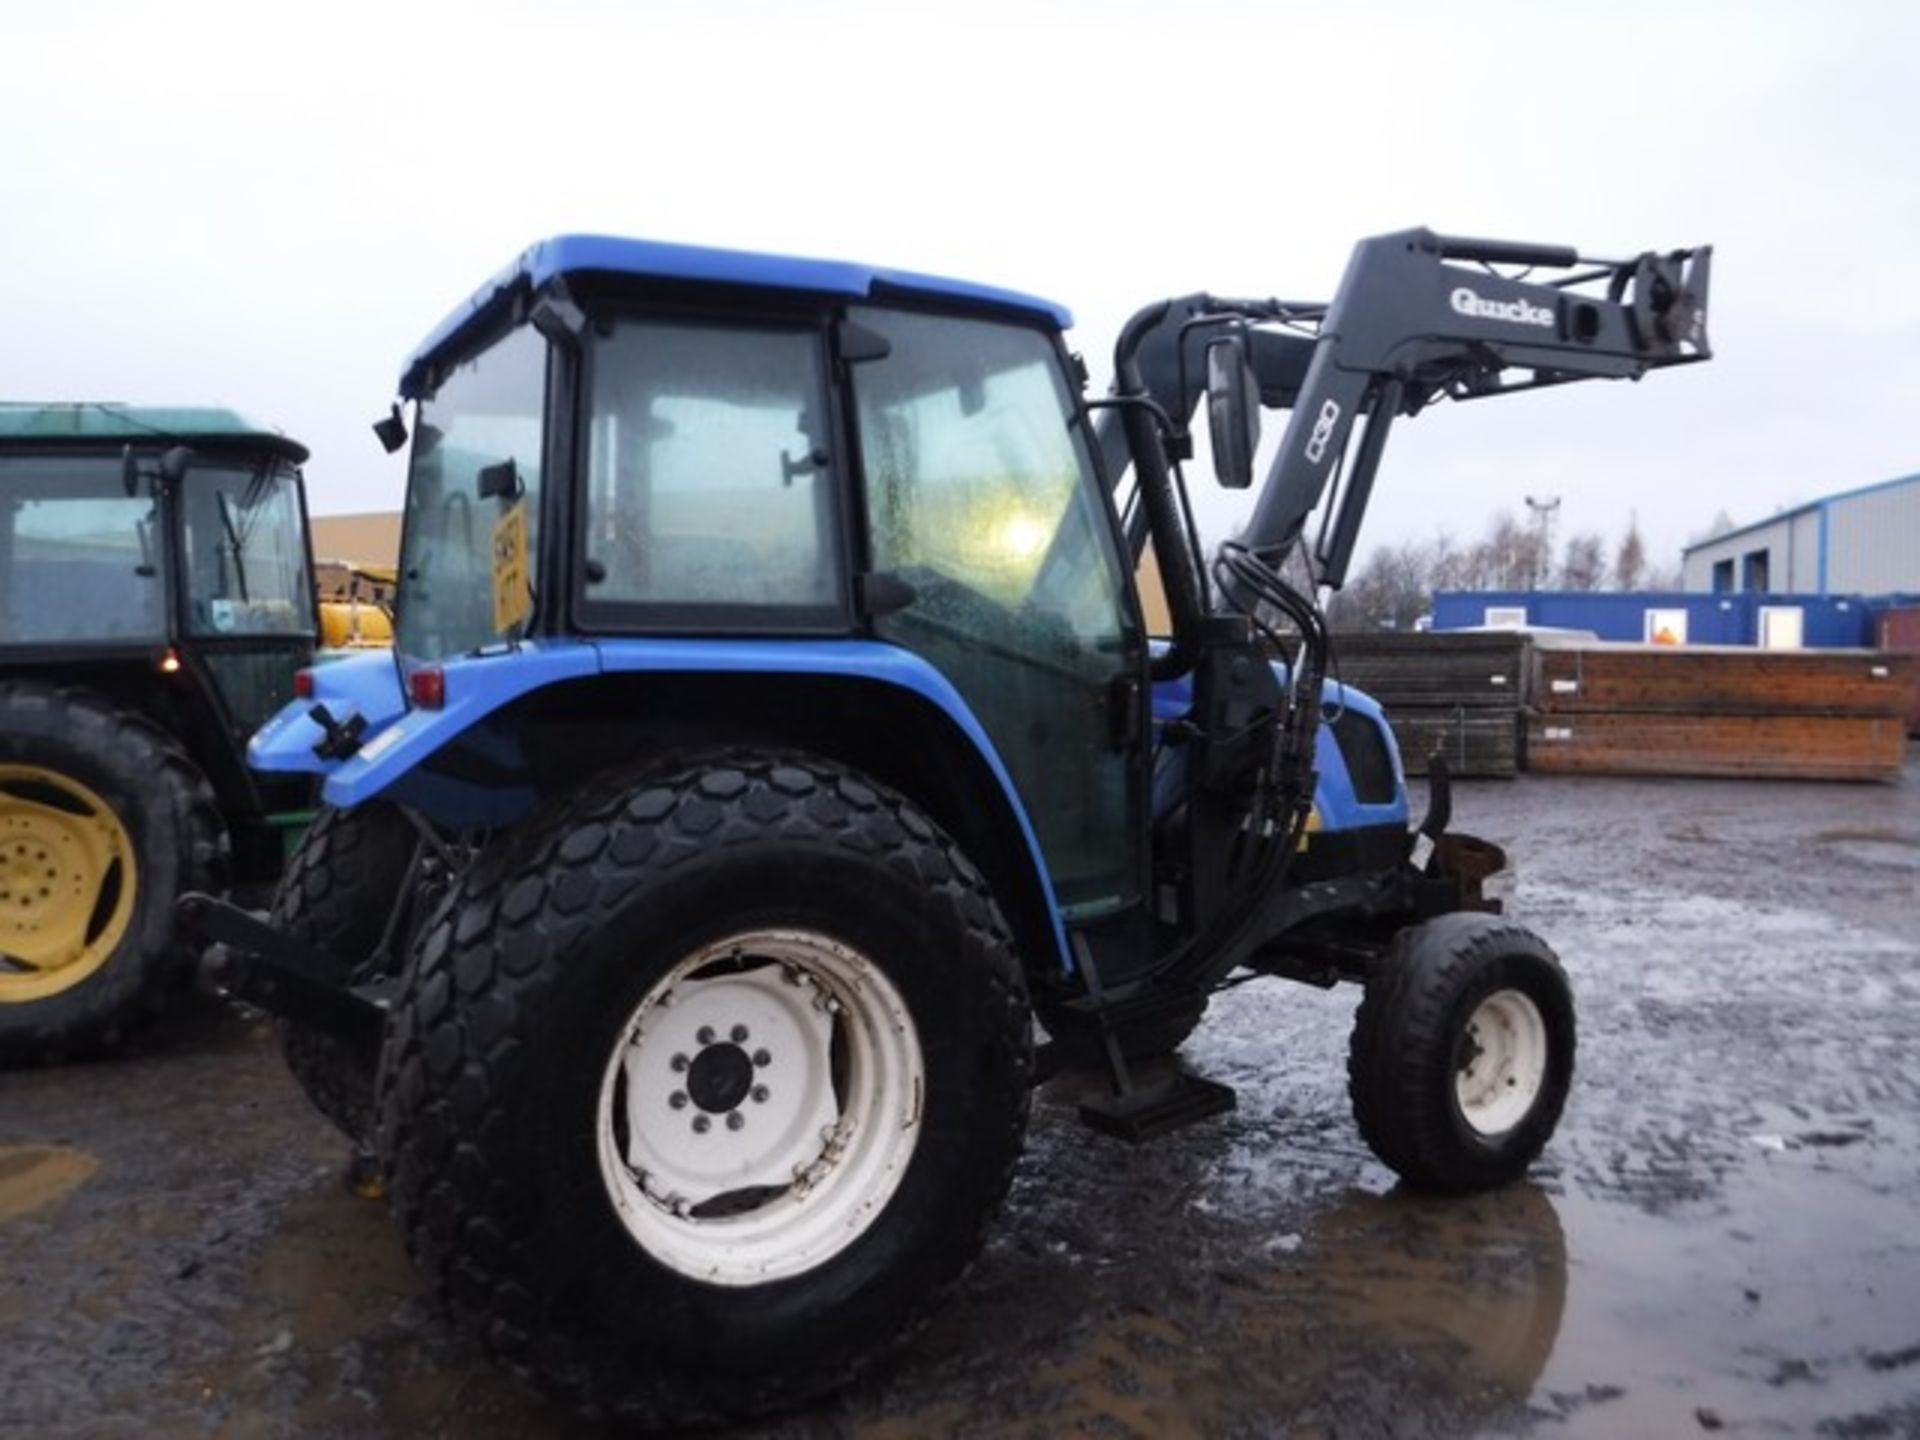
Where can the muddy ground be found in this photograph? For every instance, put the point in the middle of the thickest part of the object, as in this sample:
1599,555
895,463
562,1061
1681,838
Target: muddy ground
1725,1234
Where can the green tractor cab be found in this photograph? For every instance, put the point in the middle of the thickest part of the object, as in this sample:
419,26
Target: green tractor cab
155,603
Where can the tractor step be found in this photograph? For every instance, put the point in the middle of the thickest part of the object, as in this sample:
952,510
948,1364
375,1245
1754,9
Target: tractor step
1146,1112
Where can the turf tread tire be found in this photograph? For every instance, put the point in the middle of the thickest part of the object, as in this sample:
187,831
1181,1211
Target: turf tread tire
336,895
474,996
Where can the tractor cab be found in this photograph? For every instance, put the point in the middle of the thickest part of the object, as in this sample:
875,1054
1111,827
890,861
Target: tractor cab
174,539
155,606
861,506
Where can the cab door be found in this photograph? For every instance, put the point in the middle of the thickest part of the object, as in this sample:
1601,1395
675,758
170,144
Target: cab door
981,494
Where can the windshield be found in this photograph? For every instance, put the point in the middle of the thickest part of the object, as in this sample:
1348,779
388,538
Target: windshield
246,550
79,557
473,504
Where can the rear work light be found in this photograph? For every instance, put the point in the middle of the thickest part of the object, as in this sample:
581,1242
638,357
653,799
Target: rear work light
303,684
428,686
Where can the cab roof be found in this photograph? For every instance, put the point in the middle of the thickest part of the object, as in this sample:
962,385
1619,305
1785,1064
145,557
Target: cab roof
658,260
108,423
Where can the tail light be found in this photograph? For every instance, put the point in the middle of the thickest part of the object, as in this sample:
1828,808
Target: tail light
303,684
428,686
170,662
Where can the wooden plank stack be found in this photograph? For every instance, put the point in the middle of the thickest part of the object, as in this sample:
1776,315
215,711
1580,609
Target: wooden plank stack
1614,709
1457,693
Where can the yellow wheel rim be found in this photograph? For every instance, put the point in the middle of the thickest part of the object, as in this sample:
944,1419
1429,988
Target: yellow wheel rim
67,881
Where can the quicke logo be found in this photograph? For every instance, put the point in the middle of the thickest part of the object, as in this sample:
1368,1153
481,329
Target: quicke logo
1519,312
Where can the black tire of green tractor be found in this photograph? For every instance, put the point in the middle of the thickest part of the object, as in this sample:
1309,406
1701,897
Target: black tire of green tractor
518,994
340,886
179,840
1410,1039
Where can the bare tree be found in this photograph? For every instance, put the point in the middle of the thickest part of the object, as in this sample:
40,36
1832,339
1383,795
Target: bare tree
1583,564
1630,560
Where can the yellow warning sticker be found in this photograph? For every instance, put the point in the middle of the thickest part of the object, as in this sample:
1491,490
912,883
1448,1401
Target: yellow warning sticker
512,595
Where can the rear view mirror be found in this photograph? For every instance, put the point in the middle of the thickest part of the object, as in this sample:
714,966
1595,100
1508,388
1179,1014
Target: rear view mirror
392,431
175,461
1233,411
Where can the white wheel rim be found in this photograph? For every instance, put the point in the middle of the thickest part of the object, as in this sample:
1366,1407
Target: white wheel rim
760,1107
1504,1066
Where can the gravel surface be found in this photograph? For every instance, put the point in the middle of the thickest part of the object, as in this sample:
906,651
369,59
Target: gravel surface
1722,1236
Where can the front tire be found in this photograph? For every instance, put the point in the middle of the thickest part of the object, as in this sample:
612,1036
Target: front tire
104,823
769,944
1462,1053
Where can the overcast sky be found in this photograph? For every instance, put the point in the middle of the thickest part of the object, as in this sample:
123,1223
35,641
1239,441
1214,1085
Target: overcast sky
267,206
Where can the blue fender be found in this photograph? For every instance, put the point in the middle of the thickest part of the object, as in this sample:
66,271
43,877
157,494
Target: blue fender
397,739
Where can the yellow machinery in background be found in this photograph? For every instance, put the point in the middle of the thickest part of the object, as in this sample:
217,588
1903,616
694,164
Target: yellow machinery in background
356,604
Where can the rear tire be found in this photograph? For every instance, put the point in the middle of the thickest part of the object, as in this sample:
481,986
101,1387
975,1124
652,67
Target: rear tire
338,892
1462,1052
104,823
570,1214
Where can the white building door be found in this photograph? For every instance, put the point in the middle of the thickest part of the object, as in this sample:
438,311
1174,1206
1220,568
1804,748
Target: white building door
1782,627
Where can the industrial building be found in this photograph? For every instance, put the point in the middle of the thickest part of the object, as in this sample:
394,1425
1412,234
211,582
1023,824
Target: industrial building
1859,542
1671,617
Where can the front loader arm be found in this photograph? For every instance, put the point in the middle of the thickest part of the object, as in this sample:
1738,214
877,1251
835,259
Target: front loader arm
1420,316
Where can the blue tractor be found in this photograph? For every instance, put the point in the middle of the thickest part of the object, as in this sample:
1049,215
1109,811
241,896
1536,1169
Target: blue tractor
772,735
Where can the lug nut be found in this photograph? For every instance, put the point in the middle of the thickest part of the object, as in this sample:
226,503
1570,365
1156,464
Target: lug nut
678,1099
704,1035
735,1120
701,1124
760,1093
679,1062
739,1035
762,1058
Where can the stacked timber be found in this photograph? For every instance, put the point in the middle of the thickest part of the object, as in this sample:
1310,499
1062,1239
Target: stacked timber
1898,629
1614,709
1458,694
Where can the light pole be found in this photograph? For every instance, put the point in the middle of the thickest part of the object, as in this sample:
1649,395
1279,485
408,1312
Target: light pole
1543,523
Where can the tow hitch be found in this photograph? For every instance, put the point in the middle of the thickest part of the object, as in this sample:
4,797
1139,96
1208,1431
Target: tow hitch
251,961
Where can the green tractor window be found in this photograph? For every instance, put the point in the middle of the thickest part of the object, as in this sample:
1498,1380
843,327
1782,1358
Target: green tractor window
80,559
246,552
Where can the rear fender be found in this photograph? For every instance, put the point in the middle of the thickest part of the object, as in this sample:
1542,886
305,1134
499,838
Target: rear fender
483,778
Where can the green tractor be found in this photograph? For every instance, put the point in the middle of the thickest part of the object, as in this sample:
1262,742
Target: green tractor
156,580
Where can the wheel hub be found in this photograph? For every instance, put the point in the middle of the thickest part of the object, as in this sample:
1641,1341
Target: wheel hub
760,1106
720,1077
1501,1063
66,882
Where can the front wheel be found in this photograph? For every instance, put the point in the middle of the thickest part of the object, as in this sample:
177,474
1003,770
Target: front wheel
1462,1052
700,1091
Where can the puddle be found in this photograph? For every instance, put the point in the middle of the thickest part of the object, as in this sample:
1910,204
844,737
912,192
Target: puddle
33,1177
1458,1301
1786,1304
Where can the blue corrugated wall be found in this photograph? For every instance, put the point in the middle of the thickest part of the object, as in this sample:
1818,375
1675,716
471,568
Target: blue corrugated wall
1831,621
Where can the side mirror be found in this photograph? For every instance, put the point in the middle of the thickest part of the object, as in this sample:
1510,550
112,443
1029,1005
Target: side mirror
129,472
392,431
1233,411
